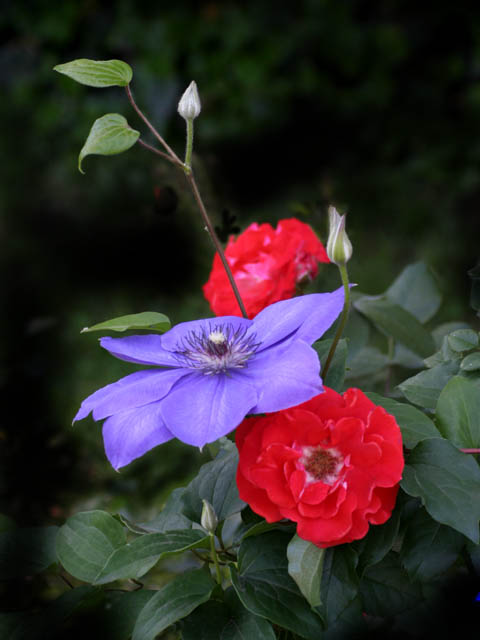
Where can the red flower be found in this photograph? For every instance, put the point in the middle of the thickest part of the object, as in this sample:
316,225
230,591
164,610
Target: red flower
267,264
331,464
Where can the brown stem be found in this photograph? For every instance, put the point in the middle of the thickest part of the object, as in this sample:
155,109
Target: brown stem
170,151
470,450
215,240
157,151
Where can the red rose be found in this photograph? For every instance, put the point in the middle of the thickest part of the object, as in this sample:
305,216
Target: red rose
267,264
331,464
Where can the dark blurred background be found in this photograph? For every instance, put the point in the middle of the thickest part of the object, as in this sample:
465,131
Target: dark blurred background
374,106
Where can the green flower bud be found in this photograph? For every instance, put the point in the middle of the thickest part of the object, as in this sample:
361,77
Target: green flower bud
189,106
209,520
339,247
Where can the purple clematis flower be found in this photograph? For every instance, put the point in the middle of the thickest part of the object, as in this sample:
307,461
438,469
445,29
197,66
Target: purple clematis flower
213,373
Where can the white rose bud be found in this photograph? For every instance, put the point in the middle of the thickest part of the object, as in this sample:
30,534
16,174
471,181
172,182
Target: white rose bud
189,106
339,247
209,518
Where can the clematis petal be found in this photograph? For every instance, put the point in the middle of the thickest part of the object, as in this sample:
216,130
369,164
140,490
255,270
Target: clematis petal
308,317
179,332
283,377
130,434
135,390
147,349
202,408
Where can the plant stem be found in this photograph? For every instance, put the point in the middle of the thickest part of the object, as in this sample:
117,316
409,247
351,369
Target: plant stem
216,242
215,559
170,151
343,319
470,450
157,151
189,146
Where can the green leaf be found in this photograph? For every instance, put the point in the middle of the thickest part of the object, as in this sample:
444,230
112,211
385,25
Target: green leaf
366,362
215,482
378,542
120,611
25,552
134,559
336,372
146,320
448,483
173,602
386,588
416,291
357,332
424,389
339,582
86,541
463,340
458,413
414,425
305,562
429,548
171,517
97,73
108,136
471,362
265,588
394,321
227,620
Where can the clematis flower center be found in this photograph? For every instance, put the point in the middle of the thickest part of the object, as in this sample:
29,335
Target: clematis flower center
217,349
321,464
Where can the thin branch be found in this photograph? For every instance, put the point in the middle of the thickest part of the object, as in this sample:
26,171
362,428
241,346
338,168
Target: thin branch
157,151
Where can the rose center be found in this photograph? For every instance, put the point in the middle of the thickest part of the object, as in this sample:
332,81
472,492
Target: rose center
321,464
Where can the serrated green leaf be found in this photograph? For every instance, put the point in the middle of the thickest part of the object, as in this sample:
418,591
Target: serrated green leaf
458,413
395,321
471,362
173,602
416,291
414,425
108,136
378,542
25,552
97,73
86,541
463,340
215,482
228,620
305,562
336,372
150,320
265,588
429,548
448,483
339,582
386,589
424,389
134,559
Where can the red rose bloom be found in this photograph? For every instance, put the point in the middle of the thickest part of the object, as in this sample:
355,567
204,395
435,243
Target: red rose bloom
267,264
331,464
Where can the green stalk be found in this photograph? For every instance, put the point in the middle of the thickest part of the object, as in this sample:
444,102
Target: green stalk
215,559
189,146
343,319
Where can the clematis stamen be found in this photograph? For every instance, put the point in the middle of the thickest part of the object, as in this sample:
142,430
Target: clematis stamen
217,349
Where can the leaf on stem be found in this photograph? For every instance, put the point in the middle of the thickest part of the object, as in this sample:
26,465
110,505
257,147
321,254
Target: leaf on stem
108,136
97,73
150,320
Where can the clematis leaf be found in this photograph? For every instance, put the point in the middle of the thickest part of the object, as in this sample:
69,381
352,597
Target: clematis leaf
97,73
108,136
86,541
134,559
395,321
458,412
263,585
448,483
228,620
150,320
305,562
424,389
24,552
215,482
428,547
171,603
416,291
414,425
